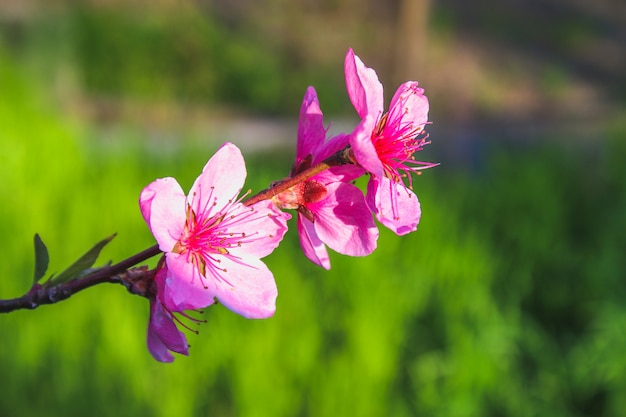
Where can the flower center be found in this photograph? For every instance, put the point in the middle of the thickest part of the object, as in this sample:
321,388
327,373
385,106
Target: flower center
201,239
396,140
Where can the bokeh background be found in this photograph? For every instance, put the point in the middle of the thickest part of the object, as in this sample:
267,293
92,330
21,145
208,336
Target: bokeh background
510,299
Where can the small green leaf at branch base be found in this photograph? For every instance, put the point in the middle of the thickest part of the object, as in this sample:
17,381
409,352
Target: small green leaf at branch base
41,259
83,263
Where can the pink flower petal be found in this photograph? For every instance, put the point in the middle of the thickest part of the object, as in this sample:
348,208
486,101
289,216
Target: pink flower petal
344,222
364,89
331,146
363,148
157,348
246,287
395,206
185,288
145,202
163,204
263,224
311,131
221,181
410,101
163,336
342,173
312,246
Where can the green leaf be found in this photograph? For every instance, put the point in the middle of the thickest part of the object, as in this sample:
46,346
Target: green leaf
83,263
41,259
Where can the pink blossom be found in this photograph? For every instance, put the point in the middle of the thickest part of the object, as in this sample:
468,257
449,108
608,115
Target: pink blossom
163,336
384,143
331,211
212,242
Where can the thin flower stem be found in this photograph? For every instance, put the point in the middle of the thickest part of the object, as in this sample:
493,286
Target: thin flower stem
286,184
41,294
338,158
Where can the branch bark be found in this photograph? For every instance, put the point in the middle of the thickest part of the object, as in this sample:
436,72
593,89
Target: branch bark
42,294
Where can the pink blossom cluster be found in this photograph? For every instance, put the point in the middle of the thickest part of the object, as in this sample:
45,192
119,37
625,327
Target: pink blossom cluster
213,239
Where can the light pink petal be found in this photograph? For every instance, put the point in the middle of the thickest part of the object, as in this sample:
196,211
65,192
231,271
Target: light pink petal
246,287
263,224
162,203
145,201
344,222
312,246
363,148
395,206
311,132
185,288
410,101
364,89
163,336
220,182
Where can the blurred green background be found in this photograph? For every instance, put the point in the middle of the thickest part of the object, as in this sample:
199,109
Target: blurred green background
510,299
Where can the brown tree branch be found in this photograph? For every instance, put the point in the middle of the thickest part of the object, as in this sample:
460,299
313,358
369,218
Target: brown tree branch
42,294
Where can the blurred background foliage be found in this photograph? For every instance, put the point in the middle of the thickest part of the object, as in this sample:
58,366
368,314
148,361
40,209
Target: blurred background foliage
508,301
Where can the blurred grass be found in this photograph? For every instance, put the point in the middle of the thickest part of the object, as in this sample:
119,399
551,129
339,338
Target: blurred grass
507,301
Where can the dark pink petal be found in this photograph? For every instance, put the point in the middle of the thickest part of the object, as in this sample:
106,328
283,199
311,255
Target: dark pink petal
246,287
157,348
344,222
163,204
364,89
312,246
342,173
163,336
331,146
220,182
311,131
363,148
410,100
394,205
